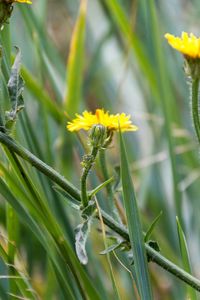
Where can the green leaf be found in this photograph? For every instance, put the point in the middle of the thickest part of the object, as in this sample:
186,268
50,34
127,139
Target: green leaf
81,234
117,178
15,89
1,93
100,187
191,294
113,247
152,226
134,228
89,210
70,200
75,63
82,231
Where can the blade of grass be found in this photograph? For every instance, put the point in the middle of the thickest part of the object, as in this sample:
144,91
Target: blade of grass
116,292
75,63
37,90
40,233
65,257
191,294
152,226
134,227
66,253
166,105
19,278
13,237
33,25
124,25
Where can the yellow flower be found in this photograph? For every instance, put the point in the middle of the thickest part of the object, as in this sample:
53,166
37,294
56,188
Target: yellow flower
112,122
188,45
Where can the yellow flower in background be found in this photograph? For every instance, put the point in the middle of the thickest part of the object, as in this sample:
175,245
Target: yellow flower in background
187,44
112,122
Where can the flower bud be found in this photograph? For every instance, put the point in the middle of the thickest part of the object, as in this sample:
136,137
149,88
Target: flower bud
98,135
192,67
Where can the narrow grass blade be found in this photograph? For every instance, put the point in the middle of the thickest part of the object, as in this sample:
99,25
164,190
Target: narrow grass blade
37,90
33,26
124,26
12,225
115,288
134,227
42,235
65,251
19,279
75,63
100,187
191,294
152,226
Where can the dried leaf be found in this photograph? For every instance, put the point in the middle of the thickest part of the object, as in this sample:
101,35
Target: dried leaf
15,89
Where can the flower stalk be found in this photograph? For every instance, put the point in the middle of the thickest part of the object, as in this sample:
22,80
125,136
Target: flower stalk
97,140
189,46
195,106
104,169
88,162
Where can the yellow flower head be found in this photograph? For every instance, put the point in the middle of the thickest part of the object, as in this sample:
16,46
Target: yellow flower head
112,122
188,45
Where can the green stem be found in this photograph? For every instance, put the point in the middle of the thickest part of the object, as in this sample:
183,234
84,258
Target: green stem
105,172
88,162
195,107
108,220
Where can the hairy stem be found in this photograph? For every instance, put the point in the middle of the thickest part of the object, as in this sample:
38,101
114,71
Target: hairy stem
88,163
108,220
105,172
195,106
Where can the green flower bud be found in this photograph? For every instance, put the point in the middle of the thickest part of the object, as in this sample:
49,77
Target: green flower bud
98,135
192,67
